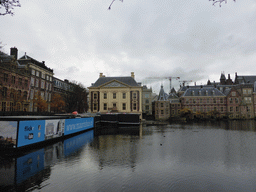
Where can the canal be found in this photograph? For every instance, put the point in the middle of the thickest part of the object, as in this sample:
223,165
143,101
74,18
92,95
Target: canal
205,156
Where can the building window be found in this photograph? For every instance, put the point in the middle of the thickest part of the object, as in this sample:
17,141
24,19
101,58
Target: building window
32,81
231,109
33,72
12,95
237,100
25,94
4,93
124,95
3,106
134,96
237,109
42,95
230,100
37,73
26,83
42,84
124,106
43,76
5,77
244,91
11,106
114,95
134,106
214,100
13,79
162,105
147,107
233,93
221,100
248,99
105,95
94,106
114,105
248,109
105,106
95,96
37,82
18,107
19,93
162,112
147,101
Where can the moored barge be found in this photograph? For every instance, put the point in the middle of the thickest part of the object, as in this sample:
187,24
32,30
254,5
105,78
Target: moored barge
26,132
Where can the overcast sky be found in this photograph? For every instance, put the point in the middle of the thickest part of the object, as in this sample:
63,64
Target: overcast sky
190,39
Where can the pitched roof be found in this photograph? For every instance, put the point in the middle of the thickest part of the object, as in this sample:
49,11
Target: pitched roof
162,95
204,91
127,80
25,59
245,79
5,58
184,88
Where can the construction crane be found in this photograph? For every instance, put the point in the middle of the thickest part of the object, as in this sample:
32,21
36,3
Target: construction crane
161,78
185,81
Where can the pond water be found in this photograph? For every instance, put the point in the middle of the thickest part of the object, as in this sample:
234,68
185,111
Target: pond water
206,156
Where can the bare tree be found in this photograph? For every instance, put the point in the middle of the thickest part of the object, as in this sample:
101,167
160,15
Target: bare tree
219,1
76,99
7,6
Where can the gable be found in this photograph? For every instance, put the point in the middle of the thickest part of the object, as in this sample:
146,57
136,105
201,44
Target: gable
114,84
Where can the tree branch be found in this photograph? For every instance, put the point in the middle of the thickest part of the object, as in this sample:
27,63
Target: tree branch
219,1
111,4
7,6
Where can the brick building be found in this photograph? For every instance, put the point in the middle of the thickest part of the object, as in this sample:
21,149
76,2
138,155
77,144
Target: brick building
14,83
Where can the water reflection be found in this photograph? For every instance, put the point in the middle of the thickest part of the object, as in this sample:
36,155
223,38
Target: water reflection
119,142
205,156
30,170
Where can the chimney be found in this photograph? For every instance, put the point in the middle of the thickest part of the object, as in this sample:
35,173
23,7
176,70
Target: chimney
195,83
228,76
236,74
101,74
14,52
132,75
